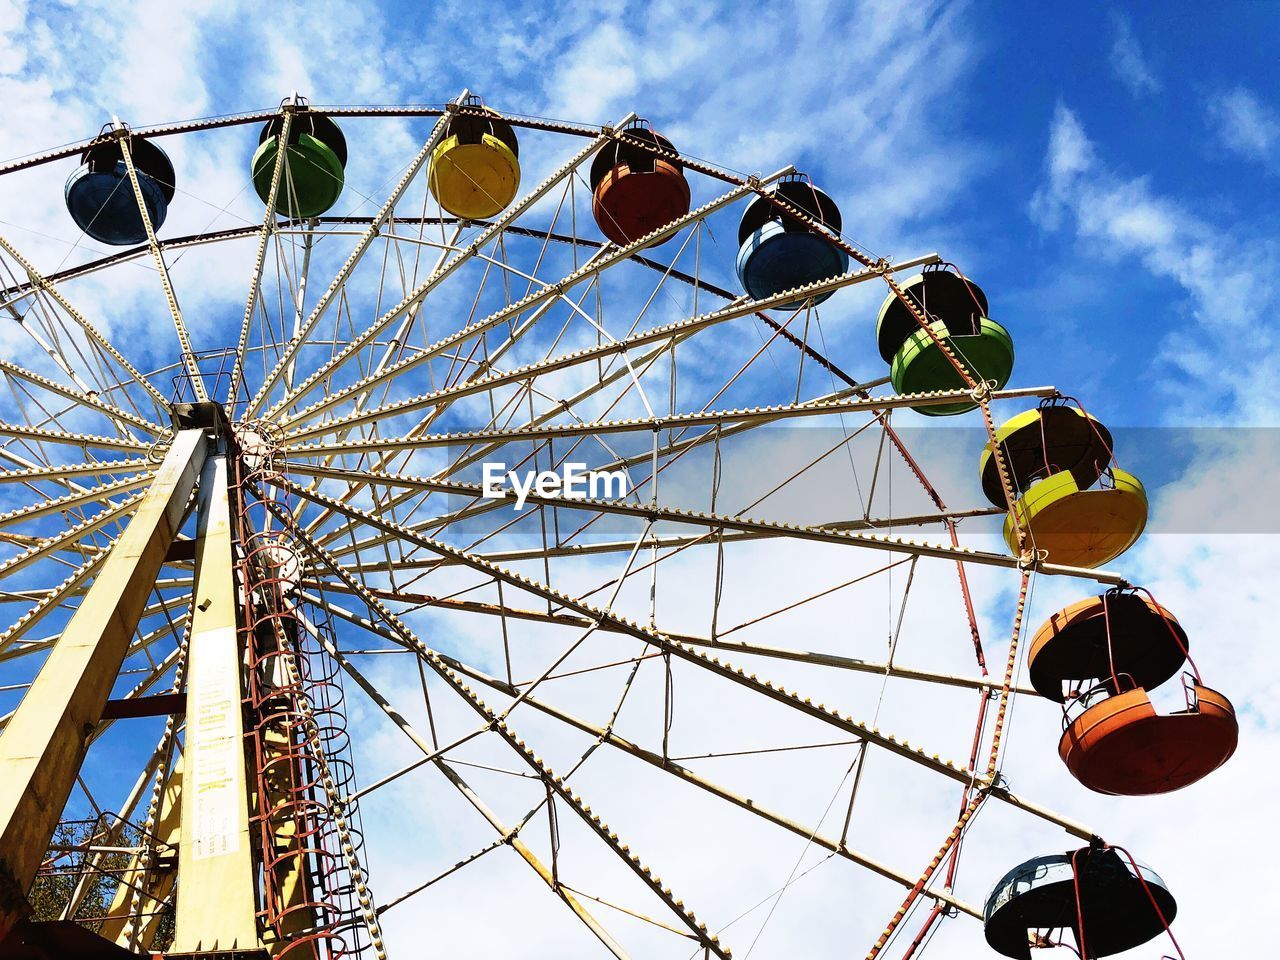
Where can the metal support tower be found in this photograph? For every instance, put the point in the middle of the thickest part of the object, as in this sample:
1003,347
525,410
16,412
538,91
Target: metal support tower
45,742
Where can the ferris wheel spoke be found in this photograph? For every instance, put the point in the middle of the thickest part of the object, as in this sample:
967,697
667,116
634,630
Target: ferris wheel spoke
298,290
332,225
83,552
490,260
286,227
499,725
337,285
736,528
689,776
507,834
24,596
718,521
162,268
986,786
40,285
255,277
12,647
27,475
486,364
71,535
120,419
608,257
85,441
661,641
47,643
660,334
71,501
661,542
387,459
557,408
435,279
516,334
475,509
398,340
809,657
401,335
574,801
668,453
806,348
51,600
684,649
651,423
46,346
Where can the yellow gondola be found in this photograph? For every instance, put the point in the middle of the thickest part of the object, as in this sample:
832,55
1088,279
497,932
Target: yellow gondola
475,169
1075,506
1081,527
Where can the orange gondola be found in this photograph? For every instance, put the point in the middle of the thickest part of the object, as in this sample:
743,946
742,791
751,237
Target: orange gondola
1122,746
1099,657
635,191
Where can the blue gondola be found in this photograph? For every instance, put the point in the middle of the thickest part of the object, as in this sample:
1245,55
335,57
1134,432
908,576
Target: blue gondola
100,198
777,253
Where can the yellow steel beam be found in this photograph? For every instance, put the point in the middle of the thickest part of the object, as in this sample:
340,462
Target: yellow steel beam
216,903
45,742
141,891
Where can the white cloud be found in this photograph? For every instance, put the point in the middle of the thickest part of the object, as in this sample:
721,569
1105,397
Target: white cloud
1244,124
1128,61
1223,270
831,88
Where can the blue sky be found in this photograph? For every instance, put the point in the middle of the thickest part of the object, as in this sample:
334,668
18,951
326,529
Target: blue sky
939,127
1106,172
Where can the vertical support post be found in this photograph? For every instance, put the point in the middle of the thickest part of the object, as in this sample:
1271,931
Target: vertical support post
216,900
45,742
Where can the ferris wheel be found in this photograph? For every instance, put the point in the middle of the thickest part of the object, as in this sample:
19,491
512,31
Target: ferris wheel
531,481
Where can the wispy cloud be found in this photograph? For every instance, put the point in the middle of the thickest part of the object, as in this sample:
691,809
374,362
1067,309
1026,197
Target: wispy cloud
1128,62
881,123
1245,125
1225,351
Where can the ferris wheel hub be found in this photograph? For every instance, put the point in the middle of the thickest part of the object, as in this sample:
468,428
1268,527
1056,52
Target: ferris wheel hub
200,415
258,441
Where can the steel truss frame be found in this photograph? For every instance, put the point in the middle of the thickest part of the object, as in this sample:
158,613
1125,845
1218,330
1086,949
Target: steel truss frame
331,449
